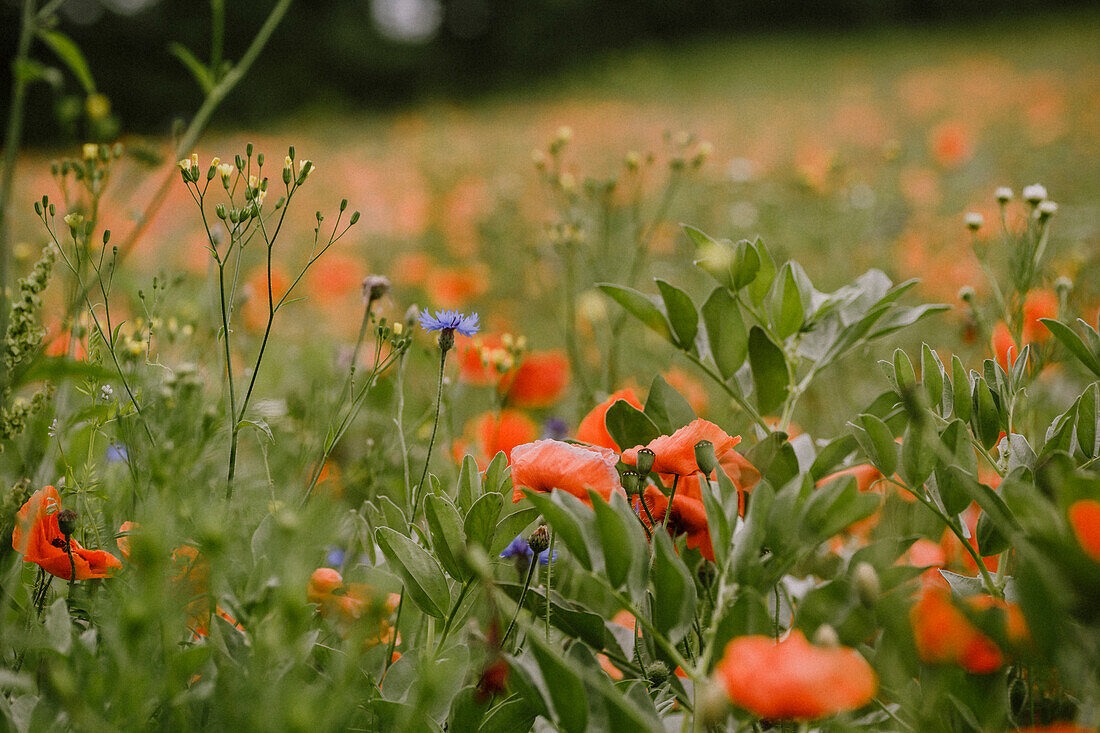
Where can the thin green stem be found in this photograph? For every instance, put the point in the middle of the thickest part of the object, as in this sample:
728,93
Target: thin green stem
733,394
431,443
454,612
393,639
671,498
522,597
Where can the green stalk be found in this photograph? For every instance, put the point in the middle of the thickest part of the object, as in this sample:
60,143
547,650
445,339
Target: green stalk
435,426
11,148
522,597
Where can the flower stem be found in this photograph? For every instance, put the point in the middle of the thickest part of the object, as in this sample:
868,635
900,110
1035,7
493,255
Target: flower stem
431,442
522,597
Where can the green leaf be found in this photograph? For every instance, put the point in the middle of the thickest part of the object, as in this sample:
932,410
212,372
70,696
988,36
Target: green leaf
1085,425
833,507
681,314
901,317
769,371
629,426
991,541
932,376
512,715
1074,343
56,368
568,617
985,419
567,693
989,500
199,72
448,539
510,526
640,307
59,627
904,375
260,426
393,515
759,288
674,590
496,475
775,458
421,573
566,526
71,55
960,384
788,303
469,483
876,440
745,265
715,258
726,332
622,540
666,407
918,454
481,520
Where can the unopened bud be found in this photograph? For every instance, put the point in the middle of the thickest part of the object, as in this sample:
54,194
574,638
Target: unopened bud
646,457
826,636
867,584
66,522
539,540
966,293
704,456
658,673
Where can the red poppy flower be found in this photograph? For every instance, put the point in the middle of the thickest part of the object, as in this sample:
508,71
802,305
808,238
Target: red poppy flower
1038,304
1084,518
545,465
1063,727
687,517
593,429
794,680
944,635
471,369
39,539
503,433
675,454
539,381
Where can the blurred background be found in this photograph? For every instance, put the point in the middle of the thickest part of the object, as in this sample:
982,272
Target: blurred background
848,134
378,54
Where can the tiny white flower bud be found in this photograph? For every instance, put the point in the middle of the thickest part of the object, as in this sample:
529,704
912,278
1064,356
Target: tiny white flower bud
1034,193
1003,194
974,221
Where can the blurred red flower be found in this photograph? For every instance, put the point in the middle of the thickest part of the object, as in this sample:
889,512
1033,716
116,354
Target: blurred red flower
539,381
944,635
793,679
593,429
687,516
1084,518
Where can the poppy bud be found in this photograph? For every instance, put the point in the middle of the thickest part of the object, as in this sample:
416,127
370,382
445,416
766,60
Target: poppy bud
539,540
66,522
867,584
704,456
646,457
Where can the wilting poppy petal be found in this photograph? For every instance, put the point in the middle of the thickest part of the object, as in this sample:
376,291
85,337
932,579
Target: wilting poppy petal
794,680
593,429
545,465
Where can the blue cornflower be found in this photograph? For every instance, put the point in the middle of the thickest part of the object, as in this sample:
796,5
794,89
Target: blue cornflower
116,453
519,546
450,320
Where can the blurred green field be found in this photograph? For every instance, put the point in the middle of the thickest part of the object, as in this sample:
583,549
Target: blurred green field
846,151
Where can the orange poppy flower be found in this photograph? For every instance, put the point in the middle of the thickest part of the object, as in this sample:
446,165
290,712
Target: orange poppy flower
503,433
1084,518
1005,349
1063,727
675,454
944,635
593,429
347,604
545,465
411,268
38,537
794,680
334,276
687,516
1038,304
471,369
539,381
456,287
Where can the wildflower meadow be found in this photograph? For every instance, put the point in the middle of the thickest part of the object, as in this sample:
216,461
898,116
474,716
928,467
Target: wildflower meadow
714,398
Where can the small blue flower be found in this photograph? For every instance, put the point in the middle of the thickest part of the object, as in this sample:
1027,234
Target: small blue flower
519,546
451,320
116,453
555,429
335,556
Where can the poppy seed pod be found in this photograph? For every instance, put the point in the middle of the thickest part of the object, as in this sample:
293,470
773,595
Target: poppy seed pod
705,457
646,457
66,521
631,482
